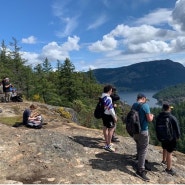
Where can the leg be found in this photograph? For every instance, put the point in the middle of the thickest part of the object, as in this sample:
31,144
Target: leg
114,138
143,141
110,133
5,96
164,155
169,160
105,133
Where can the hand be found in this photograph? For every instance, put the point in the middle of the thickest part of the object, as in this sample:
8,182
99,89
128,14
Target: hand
116,119
115,105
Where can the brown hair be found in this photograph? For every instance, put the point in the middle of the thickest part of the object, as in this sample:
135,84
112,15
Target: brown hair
32,106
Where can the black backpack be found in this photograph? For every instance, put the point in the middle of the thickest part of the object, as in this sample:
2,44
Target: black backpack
99,110
164,130
133,122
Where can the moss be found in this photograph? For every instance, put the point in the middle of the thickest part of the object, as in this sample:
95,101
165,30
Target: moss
10,121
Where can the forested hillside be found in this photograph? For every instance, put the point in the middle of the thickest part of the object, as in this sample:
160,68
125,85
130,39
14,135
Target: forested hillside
153,75
173,94
42,83
60,87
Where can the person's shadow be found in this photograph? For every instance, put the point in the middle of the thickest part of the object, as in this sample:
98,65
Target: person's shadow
108,161
18,124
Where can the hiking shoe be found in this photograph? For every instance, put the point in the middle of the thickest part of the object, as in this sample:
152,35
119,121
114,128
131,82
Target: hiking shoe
142,175
163,163
114,139
171,171
147,168
109,148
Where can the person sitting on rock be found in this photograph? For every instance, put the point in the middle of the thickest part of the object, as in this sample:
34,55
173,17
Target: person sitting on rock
31,118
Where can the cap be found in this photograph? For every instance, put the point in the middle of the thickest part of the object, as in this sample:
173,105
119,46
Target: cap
166,106
141,95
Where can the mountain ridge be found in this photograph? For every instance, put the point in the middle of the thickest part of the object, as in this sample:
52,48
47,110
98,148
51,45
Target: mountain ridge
151,75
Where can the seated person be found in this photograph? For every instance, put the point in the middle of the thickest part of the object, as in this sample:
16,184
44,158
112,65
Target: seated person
31,118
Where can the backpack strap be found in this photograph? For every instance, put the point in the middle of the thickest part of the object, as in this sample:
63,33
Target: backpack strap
138,106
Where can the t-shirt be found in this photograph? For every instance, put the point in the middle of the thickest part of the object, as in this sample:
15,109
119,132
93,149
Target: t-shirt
7,89
26,115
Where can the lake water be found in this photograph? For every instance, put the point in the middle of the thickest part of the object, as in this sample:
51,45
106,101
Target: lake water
130,97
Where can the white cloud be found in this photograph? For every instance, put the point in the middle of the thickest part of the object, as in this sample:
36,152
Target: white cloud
32,58
67,21
100,20
150,47
29,40
54,52
156,17
107,44
178,16
178,44
70,25
144,38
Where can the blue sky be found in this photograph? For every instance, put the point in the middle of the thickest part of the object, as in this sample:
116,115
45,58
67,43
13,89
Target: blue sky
95,33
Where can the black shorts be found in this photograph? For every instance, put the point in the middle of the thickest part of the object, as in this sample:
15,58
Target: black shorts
170,146
108,121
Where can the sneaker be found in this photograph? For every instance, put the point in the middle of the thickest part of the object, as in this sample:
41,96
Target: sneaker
163,163
109,148
142,175
171,171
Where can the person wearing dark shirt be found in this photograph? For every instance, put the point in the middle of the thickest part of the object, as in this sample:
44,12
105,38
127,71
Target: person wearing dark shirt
7,90
31,118
169,146
115,97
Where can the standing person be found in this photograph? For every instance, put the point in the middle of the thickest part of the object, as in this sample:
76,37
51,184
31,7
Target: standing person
142,139
7,89
115,97
109,118
170,145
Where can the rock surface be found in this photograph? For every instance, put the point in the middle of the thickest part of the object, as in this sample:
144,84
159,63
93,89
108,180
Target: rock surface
66,153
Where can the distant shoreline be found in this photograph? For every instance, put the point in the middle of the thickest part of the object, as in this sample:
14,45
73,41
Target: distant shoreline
130,97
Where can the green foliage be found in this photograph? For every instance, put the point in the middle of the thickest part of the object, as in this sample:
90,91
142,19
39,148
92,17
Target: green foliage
64,113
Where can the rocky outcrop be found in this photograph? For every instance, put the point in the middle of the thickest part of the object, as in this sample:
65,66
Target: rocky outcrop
66,153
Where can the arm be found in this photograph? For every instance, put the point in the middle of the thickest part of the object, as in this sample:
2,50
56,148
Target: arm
176,127
149,117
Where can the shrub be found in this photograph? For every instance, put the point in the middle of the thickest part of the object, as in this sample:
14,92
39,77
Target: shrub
64,113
